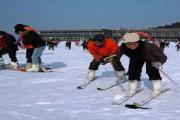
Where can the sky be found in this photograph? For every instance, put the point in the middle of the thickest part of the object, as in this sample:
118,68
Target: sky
68,14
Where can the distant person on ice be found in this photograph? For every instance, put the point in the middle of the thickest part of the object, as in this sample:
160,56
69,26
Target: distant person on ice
162,45
141,52
8,45
84,44
68,44
178,46
103,50
33,40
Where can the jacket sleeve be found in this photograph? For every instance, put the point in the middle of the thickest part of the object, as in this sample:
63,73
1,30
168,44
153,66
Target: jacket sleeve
120,51
114,48
10,40
157,54
93,52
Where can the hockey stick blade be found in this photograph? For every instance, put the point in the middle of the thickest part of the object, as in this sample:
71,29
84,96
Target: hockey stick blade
100,89
133,106
79,87
85,84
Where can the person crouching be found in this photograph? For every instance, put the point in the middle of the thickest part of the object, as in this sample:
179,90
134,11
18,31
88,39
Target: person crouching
32,40
140,52
103,50
8,45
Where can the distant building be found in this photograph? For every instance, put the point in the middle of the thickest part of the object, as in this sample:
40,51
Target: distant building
81,34
73,34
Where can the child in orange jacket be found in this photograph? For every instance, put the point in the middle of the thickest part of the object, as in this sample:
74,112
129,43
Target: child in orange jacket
103,51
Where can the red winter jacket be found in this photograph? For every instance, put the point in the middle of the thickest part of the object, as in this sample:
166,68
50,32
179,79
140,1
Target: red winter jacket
109,47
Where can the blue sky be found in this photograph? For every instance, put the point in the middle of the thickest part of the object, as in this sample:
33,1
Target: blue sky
67,14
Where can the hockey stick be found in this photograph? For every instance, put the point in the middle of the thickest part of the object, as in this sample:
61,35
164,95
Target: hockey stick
169,78
120,85
102,89
134,106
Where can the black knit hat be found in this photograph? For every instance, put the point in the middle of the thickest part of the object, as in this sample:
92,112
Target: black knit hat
98,37
19,27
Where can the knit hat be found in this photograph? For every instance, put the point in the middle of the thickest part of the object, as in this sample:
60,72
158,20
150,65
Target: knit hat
131,37
19,27
98,37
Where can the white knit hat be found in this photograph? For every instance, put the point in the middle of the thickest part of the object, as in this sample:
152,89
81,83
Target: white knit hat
131,37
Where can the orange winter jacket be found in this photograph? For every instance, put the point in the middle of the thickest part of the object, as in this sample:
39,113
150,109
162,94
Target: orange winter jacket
108,48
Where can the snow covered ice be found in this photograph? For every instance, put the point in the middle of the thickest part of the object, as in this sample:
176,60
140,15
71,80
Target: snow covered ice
54,96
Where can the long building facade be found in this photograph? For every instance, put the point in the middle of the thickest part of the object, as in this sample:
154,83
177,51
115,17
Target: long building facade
83,34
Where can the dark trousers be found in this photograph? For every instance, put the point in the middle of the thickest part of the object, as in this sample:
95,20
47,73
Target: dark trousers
2,52
94,65
135,69
12,56
29,53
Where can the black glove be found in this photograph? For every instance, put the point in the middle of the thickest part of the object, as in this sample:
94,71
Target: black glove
107,59
104,61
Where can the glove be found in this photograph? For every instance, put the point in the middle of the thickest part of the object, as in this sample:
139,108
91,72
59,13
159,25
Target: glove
120,74
156,64
107,59
104,61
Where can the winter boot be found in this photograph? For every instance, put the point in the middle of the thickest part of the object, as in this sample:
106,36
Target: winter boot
34,68
28,66
91,75
2,64
133,87
42,67
14,65
156,85
120,76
